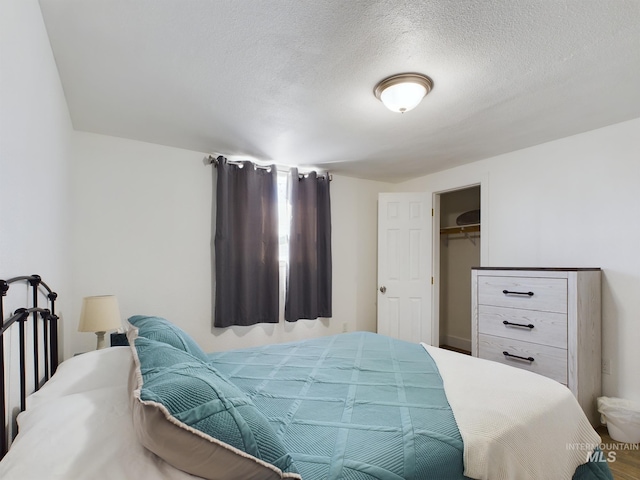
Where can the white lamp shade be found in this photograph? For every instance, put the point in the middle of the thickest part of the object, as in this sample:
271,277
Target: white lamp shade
99,314
403,97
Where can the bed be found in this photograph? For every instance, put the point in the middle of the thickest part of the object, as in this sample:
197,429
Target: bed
349,406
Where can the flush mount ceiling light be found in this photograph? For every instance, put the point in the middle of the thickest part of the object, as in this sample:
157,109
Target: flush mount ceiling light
403,92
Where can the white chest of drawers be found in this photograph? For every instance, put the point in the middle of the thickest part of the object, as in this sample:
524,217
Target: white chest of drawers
545,320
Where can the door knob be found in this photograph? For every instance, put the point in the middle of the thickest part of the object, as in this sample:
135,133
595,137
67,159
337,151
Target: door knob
383,289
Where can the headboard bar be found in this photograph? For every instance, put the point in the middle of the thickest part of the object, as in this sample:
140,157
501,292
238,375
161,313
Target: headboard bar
49,352
34,281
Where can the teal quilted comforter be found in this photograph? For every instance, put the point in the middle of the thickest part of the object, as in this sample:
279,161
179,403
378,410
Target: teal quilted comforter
357,406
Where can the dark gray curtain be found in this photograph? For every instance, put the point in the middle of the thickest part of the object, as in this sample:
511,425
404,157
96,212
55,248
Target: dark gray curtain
246,245
309,280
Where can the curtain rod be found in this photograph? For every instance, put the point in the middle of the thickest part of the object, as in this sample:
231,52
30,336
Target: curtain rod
215,161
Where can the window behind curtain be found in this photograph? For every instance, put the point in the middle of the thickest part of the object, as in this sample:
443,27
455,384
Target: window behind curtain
284,217
245,283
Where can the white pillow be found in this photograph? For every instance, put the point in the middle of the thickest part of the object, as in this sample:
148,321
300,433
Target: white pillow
83,435
78,425
106,368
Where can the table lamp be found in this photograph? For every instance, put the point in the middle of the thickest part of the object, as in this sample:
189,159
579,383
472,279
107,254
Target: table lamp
99,314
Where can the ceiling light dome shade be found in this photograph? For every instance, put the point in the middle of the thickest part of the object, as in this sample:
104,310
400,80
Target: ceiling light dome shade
403,92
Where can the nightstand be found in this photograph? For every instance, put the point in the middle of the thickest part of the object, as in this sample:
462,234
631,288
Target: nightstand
119,340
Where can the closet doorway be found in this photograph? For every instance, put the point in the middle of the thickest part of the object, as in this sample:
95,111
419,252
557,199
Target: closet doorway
459,250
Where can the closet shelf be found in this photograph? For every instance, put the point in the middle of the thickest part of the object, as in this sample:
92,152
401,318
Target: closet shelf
460,229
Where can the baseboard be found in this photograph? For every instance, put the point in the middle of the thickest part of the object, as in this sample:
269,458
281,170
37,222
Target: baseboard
458,342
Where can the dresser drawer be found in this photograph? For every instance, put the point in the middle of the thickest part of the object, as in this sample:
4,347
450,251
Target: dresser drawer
548,361
544,294
545,328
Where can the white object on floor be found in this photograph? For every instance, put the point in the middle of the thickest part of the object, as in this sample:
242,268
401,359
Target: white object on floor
622,418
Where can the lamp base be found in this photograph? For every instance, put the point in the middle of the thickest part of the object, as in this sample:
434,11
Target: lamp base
101,343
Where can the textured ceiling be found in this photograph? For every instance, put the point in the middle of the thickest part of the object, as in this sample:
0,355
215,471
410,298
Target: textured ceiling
291,81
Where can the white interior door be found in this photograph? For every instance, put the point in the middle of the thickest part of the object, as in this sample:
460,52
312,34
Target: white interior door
404,266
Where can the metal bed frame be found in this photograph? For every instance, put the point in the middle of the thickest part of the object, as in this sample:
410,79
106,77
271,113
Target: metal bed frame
48,352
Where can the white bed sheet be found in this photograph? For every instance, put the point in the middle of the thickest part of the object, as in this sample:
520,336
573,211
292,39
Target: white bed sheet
515,425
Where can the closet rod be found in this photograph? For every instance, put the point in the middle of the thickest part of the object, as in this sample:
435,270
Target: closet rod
460,229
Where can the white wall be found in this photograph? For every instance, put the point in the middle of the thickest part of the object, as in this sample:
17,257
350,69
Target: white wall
142,231
569,203
35,132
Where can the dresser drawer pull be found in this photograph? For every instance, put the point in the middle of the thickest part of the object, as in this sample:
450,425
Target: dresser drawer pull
507,292
518,324
527,359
